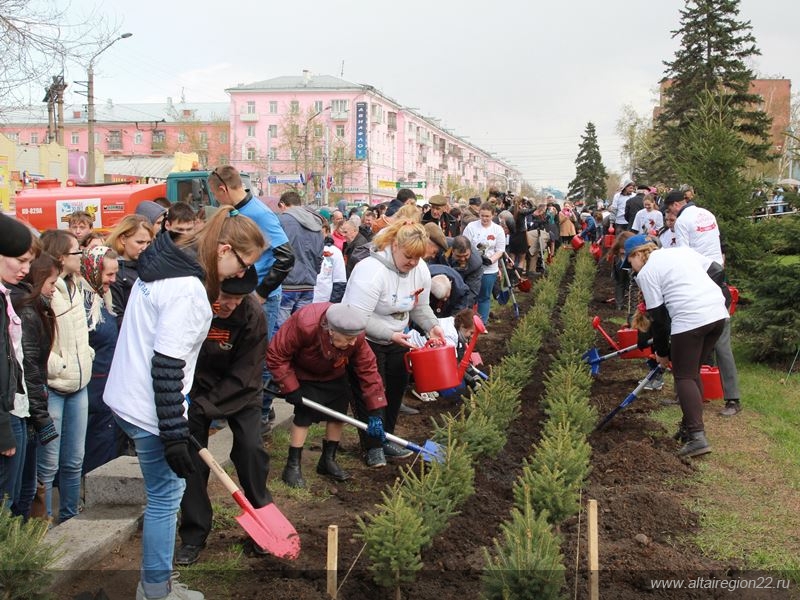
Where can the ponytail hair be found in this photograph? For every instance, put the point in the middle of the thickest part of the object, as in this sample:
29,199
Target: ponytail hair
227,226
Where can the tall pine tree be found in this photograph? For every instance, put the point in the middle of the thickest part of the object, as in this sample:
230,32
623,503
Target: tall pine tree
715,45
590,174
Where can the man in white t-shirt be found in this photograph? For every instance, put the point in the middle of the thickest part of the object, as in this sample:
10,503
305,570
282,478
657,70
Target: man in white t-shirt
697,228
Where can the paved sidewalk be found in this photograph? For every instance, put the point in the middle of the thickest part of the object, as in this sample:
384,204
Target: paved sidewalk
114,506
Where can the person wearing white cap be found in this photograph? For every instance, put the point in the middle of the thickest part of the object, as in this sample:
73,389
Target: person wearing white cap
309,356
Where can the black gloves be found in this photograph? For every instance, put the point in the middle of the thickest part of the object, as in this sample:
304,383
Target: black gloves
176,452
486,261
47,434
643,340
294,398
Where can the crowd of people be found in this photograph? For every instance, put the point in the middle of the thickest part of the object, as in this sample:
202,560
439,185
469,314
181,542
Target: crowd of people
140,339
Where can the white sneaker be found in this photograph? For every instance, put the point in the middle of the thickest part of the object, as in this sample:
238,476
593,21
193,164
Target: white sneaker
654,384
178,591
425,396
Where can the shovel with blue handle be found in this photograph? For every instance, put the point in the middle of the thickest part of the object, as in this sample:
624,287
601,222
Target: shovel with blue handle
655,372
430,451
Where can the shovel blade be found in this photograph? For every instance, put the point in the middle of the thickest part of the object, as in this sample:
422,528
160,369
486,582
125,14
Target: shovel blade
270,529
432,452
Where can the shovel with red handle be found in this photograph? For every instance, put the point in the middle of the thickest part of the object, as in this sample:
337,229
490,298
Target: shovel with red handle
266,525
598,327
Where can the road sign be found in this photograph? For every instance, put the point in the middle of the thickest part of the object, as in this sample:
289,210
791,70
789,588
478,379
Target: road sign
318,196
287,178
411,184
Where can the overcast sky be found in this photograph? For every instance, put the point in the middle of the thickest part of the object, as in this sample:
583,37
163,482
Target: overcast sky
518,78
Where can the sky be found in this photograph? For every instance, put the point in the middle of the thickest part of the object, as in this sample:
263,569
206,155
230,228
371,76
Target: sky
518,78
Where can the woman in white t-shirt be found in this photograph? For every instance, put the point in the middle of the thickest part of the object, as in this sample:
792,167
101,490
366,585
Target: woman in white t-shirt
166,321
649,220
490,239
685,315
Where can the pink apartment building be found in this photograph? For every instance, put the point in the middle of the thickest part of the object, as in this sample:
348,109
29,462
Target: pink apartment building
353,140
346,140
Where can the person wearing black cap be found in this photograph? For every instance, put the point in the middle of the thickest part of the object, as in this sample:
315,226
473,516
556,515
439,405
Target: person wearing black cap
309,357
470,214
227,384
15,240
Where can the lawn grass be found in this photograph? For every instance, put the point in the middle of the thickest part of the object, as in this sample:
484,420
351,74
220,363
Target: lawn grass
745,491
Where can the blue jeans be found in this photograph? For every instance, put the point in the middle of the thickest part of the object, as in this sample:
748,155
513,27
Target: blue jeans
27,490
485,295
164,492
11,467
291,302
271,308
70,413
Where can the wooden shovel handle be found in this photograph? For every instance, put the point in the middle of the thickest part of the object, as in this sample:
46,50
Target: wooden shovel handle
209,459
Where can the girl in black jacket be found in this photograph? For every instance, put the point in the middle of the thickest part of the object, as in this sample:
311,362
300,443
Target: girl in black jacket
30,299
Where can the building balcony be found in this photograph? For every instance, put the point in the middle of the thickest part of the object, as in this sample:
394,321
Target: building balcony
339,116
248,117
114,146
158,146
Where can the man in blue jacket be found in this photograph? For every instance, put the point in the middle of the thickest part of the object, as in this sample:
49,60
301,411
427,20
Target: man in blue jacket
274,264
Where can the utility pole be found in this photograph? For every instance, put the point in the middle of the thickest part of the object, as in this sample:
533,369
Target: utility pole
269,160
326,158
90,168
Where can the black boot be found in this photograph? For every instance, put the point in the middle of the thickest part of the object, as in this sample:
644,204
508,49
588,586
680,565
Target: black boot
696,446
327,462
292,476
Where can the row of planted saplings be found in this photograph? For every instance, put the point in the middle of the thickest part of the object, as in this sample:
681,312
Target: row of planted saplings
526,561
419,506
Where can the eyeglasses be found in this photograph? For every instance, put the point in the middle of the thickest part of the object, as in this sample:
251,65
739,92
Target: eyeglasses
215,172
242,264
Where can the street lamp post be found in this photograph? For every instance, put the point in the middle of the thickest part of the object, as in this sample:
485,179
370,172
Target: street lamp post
90,167
308,125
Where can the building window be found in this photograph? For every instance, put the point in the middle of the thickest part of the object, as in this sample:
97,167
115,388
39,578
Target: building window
338,107
181,137
137,137
294,129
317,153
338,154
340,131
251,107
96,138
317,106
295,154
14,137
251,131
75,138
203,139
115,140
273,107
34,137
251,154
273,131
317,130
294,107
273,154
159,140
223,137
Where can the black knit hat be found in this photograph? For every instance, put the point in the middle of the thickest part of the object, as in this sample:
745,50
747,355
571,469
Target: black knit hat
241,286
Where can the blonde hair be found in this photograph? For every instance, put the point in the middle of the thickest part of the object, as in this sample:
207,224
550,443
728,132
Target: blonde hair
644,250
408,212
409,235
127,227
227,226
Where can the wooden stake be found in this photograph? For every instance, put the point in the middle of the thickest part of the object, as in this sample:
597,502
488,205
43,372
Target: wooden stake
594,562
333,560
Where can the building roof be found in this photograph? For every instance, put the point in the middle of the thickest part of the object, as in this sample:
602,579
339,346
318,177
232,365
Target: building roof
140,166
107,112
298,82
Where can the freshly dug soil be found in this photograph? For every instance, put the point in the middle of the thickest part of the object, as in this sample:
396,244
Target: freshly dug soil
636,479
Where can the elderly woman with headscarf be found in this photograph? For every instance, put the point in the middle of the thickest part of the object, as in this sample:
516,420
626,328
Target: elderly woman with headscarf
99,269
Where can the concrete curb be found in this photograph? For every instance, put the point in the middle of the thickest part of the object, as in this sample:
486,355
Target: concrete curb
115,505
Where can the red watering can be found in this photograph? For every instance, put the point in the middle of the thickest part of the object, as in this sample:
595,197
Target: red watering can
577,242
434,365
